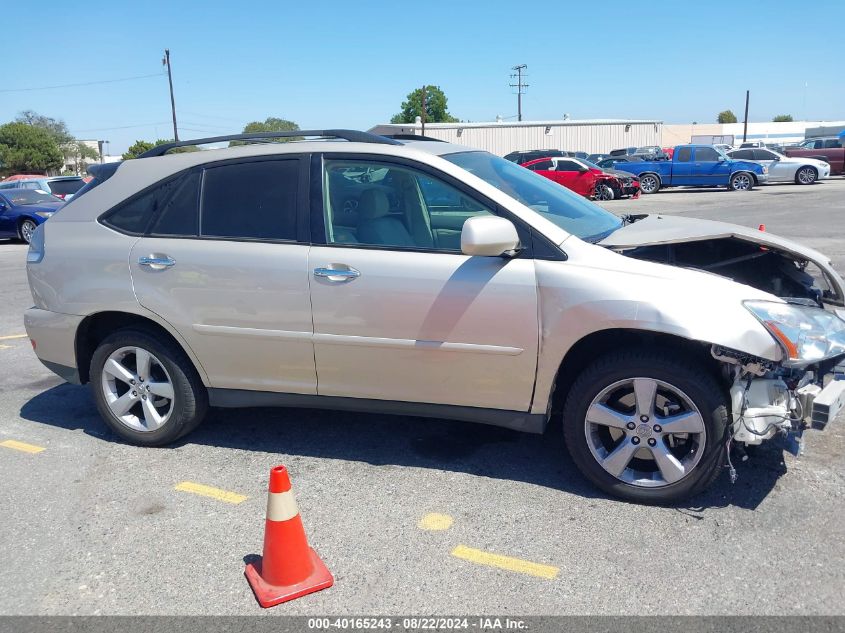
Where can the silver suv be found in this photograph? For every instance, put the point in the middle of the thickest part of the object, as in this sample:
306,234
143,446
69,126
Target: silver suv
422,278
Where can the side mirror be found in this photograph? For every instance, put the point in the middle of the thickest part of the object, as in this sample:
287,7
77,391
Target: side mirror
721,159
489,236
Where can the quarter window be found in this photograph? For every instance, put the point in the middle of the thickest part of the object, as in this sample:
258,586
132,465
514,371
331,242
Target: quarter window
251,200
178,212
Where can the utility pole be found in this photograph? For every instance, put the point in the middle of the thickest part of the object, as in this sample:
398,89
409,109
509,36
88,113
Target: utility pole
745,126
519,88
166,62
422,114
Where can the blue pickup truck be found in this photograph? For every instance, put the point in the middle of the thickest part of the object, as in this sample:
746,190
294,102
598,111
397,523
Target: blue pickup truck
696,166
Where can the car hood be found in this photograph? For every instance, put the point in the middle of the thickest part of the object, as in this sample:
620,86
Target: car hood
619,173
651,230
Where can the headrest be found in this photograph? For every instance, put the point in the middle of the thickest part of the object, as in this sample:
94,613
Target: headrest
373,204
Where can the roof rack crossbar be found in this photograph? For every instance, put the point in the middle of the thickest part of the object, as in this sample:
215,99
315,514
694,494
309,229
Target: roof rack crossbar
347,135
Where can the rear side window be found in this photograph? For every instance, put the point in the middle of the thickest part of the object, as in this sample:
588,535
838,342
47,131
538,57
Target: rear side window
683,155
832,142
743,154
253,200
543,166
65,187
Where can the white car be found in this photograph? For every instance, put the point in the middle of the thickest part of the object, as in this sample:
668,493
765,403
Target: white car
800,170
422,278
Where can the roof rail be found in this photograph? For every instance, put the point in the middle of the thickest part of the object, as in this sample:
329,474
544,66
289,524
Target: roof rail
347,135
413,137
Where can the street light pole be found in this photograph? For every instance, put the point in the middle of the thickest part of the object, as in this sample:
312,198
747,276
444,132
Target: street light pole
166,62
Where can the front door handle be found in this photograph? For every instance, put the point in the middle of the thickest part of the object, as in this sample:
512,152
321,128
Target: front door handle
337,274
157,262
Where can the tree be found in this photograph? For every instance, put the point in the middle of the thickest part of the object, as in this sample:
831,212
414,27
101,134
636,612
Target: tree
726,116
56,127
139,147
28,149
783,118
78,154
270,124
435,107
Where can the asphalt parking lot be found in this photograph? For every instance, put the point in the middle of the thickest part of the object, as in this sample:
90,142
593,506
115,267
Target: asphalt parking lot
93,526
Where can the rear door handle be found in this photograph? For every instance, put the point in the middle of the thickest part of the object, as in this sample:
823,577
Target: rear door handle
337,274
157,262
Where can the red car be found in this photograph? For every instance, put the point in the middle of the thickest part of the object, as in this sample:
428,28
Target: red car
577,176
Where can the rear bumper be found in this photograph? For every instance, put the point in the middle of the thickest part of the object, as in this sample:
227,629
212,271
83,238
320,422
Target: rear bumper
54,340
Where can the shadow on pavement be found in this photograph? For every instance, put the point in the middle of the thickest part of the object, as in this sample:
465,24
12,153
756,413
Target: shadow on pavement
475,449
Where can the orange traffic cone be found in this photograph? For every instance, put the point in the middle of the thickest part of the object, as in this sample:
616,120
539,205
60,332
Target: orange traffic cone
289,568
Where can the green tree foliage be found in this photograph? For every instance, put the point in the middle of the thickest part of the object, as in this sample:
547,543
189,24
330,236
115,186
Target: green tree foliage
139,147
56,127
27,149
435,107
270,124
783,118
726,116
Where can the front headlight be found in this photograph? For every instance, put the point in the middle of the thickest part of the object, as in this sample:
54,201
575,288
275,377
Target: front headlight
44,214
806,334
765,169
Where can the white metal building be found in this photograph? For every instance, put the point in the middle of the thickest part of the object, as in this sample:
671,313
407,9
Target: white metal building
502,137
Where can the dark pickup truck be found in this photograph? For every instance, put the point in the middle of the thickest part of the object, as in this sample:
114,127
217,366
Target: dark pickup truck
696,166
828,148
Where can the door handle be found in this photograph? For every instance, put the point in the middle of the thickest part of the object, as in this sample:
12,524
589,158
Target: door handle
157,263
337,274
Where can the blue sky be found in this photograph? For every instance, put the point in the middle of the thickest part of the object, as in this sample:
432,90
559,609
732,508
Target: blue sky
351,64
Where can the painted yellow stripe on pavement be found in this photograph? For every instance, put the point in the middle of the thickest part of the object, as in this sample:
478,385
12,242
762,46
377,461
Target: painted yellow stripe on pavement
22,446
11,336
505,562
209,491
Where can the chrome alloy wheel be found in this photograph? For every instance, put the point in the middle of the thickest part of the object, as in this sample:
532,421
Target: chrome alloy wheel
137,389
648,184
645,432
27,229
806,175
742,182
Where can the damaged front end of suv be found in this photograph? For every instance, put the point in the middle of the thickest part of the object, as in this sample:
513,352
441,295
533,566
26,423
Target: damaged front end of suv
806,386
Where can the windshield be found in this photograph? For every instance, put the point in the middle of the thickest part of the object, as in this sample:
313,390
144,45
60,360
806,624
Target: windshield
556,203
31,196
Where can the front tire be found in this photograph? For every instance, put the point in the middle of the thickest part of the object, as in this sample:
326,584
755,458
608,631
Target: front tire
806,175
647,426
741,181
146,388
27,228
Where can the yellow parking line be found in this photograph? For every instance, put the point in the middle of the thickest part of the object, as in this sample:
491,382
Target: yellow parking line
208,491
22,446
11,336
505,562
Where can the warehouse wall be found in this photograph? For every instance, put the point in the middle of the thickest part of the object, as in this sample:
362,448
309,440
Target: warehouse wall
503,138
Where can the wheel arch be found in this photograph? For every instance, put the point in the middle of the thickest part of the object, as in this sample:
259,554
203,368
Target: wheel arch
744,171
24,218
96,327
651,173
596,344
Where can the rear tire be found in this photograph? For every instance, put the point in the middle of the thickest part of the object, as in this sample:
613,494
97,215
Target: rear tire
146,388
806,175
647,463
649,183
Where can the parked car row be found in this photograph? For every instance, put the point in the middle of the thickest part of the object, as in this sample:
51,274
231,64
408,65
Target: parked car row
60,186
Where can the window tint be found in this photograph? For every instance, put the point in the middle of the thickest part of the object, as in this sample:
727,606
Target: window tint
567,165
683,155
251,200
743,154
545,165
763,154
177,212
380,204
832,142
135,215
706,154
65,187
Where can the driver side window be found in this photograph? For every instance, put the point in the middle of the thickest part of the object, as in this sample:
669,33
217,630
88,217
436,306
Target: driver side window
384,205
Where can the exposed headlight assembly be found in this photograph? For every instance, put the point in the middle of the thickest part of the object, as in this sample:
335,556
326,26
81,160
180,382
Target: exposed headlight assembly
806,334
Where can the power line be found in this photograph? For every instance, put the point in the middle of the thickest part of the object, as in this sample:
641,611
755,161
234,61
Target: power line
122,127
86,83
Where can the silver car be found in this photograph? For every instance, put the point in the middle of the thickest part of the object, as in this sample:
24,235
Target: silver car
423,278
801,171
